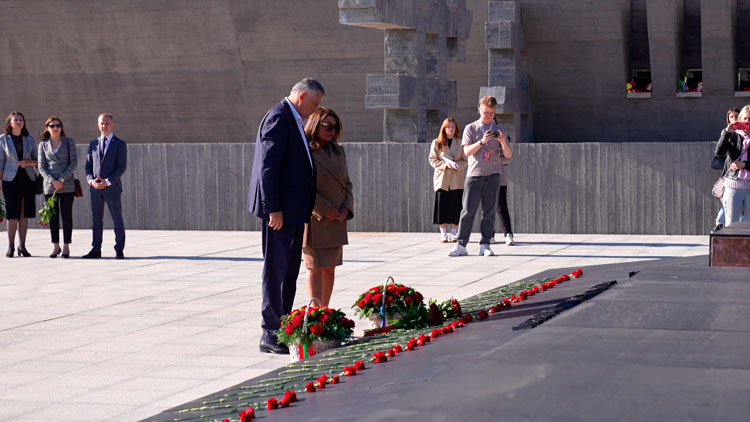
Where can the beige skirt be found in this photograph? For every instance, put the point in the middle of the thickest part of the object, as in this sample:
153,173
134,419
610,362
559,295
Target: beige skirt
323,257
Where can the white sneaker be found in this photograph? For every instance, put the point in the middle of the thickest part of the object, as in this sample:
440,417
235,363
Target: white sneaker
453,237
509,240
493,241
443,237
484,250
459,251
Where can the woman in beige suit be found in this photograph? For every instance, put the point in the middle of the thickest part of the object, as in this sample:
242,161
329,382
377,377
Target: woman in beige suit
449,161
325,235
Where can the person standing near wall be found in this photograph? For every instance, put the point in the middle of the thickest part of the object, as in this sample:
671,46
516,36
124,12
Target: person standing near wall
502,203
732,115
282,195
106,162
484,143
734,144
17,161
448,159
57,162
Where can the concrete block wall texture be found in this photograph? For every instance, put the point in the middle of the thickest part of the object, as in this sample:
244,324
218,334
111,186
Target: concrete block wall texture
184,71
625,188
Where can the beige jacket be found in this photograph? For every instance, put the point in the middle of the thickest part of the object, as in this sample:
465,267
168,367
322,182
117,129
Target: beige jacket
334,190
445,177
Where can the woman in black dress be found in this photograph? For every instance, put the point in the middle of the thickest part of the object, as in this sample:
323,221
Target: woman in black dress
18,157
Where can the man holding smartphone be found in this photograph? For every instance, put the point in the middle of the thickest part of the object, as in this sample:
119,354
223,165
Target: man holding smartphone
484,143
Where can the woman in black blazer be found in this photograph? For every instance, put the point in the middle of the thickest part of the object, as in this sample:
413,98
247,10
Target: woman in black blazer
57,162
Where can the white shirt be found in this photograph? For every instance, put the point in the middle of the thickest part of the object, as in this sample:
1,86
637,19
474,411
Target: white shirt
106,140
300,126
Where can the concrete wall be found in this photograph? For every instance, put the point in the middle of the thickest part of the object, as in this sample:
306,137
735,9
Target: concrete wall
189,71
638,188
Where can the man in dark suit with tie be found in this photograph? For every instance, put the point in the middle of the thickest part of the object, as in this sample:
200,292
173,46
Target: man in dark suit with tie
282,194
106,162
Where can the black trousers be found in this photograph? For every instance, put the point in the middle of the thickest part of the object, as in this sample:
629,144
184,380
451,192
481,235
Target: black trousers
502,210
64,210
282,255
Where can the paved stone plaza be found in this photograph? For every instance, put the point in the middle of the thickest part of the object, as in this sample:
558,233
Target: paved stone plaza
179,319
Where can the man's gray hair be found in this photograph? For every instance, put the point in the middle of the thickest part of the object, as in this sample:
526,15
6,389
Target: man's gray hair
307,84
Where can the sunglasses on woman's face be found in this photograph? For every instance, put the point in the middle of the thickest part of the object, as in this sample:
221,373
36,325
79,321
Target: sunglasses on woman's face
330,126
54,126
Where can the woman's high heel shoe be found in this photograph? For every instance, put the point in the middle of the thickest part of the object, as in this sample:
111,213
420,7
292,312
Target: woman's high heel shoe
55,254
23,252
9,254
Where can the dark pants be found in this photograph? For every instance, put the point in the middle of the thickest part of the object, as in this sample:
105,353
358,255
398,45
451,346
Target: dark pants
502,210
99,197
282,255
64,210
480,189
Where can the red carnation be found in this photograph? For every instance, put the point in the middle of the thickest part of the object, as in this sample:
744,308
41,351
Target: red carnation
565,277
377,299
335,379
482,314
456,307
388,301
292,395
310,387
454,324
368,296
397,348
297,320
361,304
272,404
324,318
408,301
435,333
467,319
493,310
317,329
346,322
359,365
247,415
289,329
535,289
418,297
391,353
436,315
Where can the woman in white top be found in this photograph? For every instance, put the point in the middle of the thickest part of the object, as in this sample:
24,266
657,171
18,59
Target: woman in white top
449,161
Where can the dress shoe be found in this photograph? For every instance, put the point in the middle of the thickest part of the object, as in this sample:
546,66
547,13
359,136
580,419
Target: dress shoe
93,254
119,255
65,255
55,254
23,252
10,252
279,349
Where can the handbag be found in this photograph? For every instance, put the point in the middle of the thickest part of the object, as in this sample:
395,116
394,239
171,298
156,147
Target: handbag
718,189
39,184
76,181
718,163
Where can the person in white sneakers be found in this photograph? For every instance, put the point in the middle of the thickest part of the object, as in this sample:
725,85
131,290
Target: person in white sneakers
484,143
448,159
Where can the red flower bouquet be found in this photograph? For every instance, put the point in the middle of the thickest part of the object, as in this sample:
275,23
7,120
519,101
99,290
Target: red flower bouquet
48,210
398,302
323,329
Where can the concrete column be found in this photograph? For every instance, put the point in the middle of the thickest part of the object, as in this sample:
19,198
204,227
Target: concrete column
718,45
665,45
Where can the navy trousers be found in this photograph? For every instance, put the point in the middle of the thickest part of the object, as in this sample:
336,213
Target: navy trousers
282,255
99,197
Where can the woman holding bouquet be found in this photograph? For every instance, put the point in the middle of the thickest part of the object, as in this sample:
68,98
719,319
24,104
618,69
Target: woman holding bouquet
17,162
449,161
325,234
57,162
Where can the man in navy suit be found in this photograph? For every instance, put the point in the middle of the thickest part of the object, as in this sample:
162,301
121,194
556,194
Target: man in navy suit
106,161
282,194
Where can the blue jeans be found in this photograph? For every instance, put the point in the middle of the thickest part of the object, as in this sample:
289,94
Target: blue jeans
733,200
720,216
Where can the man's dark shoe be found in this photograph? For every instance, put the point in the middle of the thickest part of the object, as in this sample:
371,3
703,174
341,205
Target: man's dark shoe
93,254
119,255
718,227
267,347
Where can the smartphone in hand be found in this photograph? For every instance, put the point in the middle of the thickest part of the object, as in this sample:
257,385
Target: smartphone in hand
741,126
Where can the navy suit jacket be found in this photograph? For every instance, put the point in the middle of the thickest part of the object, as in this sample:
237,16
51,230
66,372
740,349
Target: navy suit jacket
283,178
112,167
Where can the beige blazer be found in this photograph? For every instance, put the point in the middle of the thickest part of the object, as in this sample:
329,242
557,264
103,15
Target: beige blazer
445,177
334,190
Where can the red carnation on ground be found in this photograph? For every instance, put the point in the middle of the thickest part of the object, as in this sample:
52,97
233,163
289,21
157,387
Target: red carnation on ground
335,379
317,329
436,315
310,387
292,395
272,404
424,338
397,348
482,314
436,333
493,310
467,319
247,415
456,307
565,277
359,365
390,353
